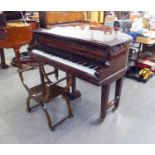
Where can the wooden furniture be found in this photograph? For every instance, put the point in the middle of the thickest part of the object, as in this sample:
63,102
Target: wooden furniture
142,42
48,18
25,60
45,92
14,15
86,54
18,34
33,23
95,16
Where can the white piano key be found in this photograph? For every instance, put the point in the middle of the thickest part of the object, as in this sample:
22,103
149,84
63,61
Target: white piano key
65,62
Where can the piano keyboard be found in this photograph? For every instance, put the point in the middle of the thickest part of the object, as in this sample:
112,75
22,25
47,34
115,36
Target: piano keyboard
78,66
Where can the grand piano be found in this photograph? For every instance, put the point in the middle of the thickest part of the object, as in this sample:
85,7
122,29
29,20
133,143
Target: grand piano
18,32
83,50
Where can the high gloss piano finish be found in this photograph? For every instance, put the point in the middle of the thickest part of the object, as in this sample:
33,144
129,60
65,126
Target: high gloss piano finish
17,36
106,55
86,46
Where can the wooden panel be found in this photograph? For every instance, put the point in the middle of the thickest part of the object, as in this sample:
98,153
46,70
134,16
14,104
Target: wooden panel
51,17
97,16
64,16
17,36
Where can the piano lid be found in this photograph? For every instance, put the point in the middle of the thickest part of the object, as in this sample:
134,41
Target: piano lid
86,34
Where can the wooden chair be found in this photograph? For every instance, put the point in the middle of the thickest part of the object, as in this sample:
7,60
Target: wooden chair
45,92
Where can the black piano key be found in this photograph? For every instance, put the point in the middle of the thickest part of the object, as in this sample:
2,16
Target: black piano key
85,64
80,62
92,66
95,68
98,68
78,59
89,66
74,59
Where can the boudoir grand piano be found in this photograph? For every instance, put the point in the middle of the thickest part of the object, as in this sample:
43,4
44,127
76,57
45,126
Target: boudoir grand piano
17,33
84,51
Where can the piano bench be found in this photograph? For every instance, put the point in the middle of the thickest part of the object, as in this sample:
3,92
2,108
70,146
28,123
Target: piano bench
44,93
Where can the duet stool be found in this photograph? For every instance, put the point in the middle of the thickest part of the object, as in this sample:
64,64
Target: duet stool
44,93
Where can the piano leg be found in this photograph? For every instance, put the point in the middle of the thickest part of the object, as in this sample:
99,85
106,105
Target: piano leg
17,54
73,93
118,90
3,64
105,104
104,100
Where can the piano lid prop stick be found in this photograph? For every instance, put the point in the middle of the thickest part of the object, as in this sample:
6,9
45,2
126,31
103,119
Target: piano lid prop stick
24,19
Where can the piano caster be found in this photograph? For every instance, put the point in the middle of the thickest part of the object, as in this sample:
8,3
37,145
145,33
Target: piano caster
101,119
71,115
116,104
4,66
52,128
114,109
74,95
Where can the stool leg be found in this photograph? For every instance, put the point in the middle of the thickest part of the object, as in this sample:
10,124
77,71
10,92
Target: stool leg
69,108
28,104
56,73
47,116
